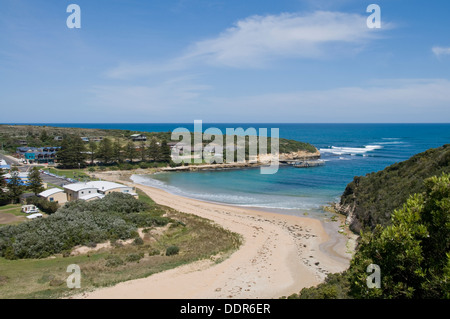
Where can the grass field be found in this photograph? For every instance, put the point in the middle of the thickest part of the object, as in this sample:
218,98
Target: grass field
14,209
196,238
69,173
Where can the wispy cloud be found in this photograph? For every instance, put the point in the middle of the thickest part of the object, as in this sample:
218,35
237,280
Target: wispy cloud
257,40
438,51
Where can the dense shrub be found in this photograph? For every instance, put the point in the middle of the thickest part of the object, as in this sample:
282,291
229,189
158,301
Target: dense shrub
172,250
134,257
76,223
114,261
154,252
413,252
371,199
43,204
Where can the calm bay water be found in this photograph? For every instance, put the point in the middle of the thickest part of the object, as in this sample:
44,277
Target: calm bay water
348,149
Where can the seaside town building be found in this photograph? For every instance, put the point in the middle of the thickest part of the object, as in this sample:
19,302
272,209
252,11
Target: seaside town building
38,155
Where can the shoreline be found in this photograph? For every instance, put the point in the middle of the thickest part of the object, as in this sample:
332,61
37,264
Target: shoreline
280,255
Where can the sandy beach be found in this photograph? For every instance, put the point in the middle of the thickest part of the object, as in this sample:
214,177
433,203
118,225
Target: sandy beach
280,255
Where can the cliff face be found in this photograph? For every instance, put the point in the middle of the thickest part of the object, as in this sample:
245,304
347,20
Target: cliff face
300,155
371,199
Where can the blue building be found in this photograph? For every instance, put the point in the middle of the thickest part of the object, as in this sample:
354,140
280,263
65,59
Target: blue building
38,154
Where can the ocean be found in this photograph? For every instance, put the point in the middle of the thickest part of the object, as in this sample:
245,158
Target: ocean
348,149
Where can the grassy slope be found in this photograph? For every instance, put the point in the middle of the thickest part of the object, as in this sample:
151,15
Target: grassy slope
196,237
376,195
10,134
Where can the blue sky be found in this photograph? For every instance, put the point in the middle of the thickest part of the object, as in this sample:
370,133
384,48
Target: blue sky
304,61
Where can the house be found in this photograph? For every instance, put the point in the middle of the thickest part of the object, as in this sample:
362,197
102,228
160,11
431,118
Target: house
85,139
105,188
93,190
4,166
90,197
77,190
56,195
58,138
22,176
38,154
138,137
97,139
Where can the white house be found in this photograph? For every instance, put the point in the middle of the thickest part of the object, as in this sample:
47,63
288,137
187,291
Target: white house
54,195
86,191
138,137
77,190
92,197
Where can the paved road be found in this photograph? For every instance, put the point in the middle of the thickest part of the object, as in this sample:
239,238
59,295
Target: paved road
25,168
10,160
54,180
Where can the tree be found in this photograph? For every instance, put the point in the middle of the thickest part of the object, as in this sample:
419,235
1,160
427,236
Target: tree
15,186
92,148
35,181
413,253
153,150
105,151
165,152
72,153
44,136
2,179
117,150
3,194
143,151
130,151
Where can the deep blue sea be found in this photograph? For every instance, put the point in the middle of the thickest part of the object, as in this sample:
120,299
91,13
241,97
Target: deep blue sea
348,149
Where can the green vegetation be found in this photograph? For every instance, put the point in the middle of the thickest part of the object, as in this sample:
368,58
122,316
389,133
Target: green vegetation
117,216
372,199
413,252
35,181
77,174
76,153
43,204
72,153
4,198
172,250
14,186
196,238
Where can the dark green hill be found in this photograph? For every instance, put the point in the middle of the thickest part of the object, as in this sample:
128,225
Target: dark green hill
370,200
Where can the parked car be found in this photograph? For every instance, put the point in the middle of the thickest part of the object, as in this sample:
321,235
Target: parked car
30,209
34,216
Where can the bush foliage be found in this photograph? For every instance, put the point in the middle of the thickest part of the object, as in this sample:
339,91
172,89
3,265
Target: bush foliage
413,253
375,196
117,216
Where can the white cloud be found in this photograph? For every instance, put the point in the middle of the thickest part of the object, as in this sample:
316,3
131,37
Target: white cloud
258,40
438,51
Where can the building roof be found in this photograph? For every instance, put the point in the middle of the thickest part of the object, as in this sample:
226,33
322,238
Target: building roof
92,196
50,192
99,185
78,186
105,185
